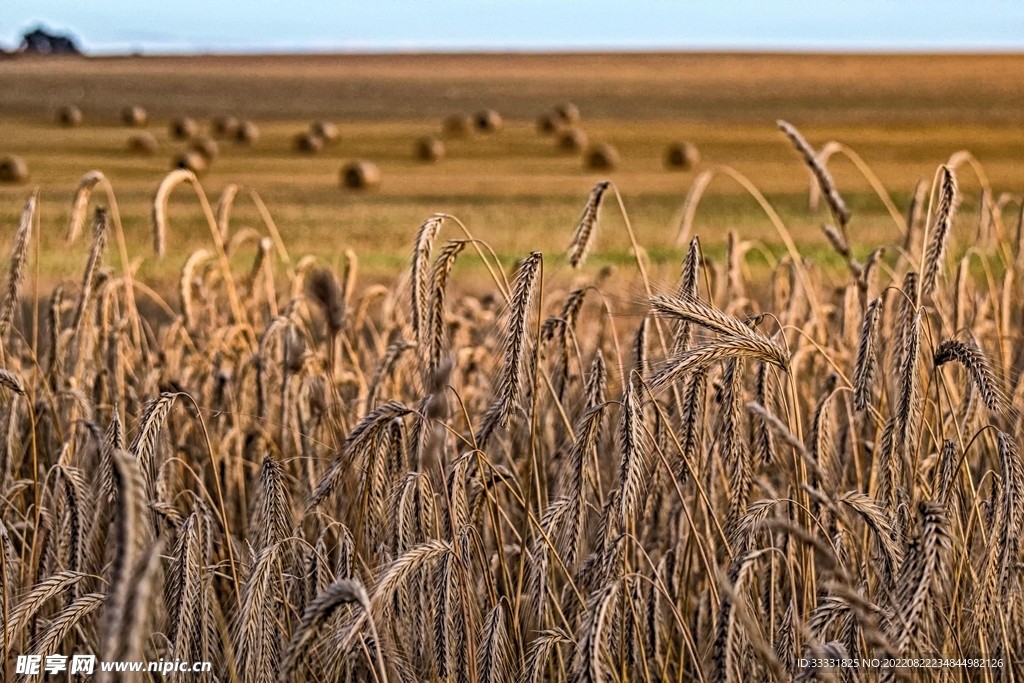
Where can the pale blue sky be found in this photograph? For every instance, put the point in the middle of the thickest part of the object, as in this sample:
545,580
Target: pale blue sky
344,25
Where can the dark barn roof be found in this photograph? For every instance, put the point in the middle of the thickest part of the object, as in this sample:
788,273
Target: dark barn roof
41,42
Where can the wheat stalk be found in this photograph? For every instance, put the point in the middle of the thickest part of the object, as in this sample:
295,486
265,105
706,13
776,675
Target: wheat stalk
160,200
80,204
224,204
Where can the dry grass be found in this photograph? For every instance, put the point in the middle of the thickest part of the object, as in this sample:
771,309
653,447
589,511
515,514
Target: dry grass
559,483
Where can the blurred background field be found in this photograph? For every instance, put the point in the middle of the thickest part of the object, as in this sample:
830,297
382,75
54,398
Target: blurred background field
514,188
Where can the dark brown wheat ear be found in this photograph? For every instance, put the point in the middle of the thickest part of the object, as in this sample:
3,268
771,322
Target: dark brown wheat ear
323,288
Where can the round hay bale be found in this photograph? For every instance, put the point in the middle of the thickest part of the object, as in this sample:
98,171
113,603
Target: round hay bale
183,128
360,175
13,169
134,116
69,116
309,142
572,140
142,144
224,126
602,157
487,121
458,125
568,112
247,133
429,149
190,161
208,147
681,156
325,130
547,124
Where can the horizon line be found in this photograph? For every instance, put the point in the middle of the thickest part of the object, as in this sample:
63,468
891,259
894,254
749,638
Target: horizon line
353,51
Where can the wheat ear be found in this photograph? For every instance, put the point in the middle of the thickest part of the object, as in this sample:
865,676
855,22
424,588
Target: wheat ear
828,185
936,251
19,259
586,227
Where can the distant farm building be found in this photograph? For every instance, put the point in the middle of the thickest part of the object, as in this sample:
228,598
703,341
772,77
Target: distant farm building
42,42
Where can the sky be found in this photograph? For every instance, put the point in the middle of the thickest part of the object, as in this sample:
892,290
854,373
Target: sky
149,26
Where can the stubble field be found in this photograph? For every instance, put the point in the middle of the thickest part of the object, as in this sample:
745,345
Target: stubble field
903,115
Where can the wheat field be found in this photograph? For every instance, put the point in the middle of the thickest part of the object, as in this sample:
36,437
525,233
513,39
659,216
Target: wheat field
296,476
